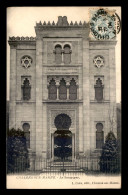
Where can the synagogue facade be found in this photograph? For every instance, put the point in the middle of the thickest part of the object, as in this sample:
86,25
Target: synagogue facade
62,82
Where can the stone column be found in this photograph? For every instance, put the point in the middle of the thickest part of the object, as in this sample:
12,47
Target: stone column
67,85
77,92
39,105
12,102
57,85
81,137
86,96
67,92
62,57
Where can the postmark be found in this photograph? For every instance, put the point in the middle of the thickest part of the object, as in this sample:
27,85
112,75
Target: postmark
104,24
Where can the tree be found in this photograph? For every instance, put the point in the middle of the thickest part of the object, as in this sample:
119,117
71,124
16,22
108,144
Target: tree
109,160
17,153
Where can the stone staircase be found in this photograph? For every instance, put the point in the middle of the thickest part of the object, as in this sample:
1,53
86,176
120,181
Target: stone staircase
62,167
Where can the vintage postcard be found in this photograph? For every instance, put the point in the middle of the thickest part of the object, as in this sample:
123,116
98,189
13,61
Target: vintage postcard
64,98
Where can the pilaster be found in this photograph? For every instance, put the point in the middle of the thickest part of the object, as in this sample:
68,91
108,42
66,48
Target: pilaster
112,109
86,95
12,103
39,106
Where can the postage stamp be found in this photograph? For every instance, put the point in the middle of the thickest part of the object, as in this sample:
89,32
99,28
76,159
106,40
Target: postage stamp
104,24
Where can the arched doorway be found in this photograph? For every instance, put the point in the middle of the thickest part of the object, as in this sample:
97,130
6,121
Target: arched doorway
62,138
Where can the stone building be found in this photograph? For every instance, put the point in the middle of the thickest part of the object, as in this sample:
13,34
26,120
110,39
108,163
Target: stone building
62,82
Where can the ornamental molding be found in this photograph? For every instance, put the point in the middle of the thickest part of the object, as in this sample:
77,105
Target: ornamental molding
22,38
70,113
52,111
102,42
62,44
45,25
101,77
58,78
23,79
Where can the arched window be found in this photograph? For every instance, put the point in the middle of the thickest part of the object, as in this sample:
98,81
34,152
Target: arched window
62,90
26,128
26,89
58,54
99,135
72,90
67,54
52,90
98,90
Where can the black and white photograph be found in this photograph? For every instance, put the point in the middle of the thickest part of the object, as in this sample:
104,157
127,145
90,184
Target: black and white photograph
63,117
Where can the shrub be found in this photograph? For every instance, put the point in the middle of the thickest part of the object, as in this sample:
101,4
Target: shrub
17,153
109,160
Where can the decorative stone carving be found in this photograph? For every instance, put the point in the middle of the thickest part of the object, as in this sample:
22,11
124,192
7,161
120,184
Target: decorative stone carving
53,23
73,112
67,78
23,79
22,38
26,61
98,61
62,21
80,23
76,24
70,113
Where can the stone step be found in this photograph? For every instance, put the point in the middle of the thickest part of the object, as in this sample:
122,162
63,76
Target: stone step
61,170
61,165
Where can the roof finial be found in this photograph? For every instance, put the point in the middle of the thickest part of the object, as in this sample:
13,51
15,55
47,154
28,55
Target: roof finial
53,23
80,23
49,23
84,23
76,23
40,23
71,23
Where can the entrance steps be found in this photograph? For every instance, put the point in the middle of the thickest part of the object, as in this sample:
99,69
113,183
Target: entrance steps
62,167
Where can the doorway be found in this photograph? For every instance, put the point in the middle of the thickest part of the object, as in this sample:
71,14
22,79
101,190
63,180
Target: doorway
62,139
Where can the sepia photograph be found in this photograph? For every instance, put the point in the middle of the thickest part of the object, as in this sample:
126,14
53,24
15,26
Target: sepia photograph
63,117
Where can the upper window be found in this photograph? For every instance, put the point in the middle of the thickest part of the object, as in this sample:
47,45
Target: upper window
62,54
62,90
52,90
72,90
67,54
98,90
26,89
58,54
26,128
99,135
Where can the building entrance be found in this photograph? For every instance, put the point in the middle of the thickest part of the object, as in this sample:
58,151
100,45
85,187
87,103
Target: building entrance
62,138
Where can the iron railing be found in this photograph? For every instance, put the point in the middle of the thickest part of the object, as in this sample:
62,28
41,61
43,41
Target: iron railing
81,165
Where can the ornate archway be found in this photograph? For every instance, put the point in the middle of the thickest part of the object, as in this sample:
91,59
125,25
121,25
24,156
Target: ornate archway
62,138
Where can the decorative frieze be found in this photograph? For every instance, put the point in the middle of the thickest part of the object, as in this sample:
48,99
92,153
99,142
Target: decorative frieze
62,21
22,38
